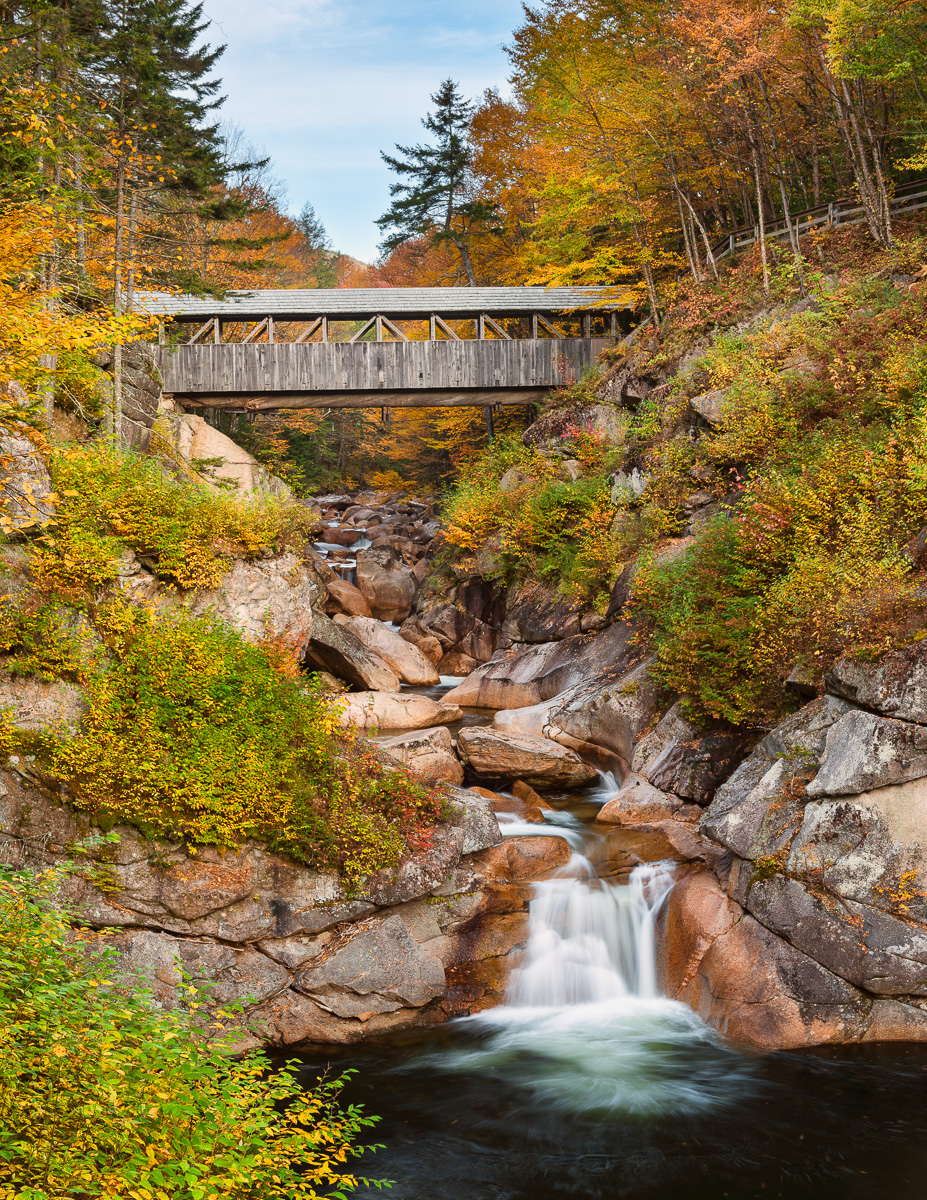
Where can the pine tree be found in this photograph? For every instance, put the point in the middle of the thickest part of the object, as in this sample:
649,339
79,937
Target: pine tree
312,229
435,204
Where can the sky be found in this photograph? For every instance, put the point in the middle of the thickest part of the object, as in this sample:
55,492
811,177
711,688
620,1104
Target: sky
323,86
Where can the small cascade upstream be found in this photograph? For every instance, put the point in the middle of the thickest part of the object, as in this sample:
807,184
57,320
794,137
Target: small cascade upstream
345,563
590,940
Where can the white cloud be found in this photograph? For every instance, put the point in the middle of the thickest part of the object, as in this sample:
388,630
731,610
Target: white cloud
243,23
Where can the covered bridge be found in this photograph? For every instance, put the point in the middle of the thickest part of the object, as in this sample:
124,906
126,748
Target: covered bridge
382,347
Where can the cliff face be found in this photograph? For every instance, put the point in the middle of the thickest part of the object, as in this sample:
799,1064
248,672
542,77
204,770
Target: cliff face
813,926
305,959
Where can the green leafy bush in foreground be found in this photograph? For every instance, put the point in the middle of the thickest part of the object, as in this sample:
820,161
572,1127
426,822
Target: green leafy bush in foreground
103,1095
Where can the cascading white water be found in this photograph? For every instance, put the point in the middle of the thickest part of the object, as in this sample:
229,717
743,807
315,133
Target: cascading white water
584,1028
347,568
590,941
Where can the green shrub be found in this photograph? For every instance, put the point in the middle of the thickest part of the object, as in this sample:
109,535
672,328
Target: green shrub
548,527
109,501
193,733
104,1095
808,567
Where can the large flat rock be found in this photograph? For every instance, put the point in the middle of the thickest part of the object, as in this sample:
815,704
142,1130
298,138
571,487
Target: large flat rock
430,752
492,755
521,678
408,662
336,649
383,710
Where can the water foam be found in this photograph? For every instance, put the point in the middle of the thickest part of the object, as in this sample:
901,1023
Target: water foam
584,1028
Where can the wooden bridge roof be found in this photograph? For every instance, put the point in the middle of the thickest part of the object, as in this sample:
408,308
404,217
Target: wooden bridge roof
353,304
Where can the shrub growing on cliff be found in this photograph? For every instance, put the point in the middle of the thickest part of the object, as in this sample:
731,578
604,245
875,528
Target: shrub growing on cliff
193,733
109,501
544,525
103,1095
809,563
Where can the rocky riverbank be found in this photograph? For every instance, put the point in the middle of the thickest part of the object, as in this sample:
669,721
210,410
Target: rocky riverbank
305,957
799,915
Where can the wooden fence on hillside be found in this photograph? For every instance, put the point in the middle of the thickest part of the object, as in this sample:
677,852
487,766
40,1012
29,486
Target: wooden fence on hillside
907,199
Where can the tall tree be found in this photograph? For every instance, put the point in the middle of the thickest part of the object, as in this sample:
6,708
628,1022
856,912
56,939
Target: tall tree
313,230
436,203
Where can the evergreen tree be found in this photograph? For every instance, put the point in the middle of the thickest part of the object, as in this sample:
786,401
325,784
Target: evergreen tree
434,203
312,229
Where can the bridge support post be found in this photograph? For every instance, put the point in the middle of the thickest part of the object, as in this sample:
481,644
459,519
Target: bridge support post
490,424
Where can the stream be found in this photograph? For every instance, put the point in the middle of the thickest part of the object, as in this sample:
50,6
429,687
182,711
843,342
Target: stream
587,1083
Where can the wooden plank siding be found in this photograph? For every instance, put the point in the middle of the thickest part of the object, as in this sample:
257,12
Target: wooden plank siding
307,375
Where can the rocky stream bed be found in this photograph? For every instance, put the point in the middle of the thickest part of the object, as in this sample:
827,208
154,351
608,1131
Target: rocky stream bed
729,894
640,958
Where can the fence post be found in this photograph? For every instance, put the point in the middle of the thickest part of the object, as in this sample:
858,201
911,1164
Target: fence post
830,215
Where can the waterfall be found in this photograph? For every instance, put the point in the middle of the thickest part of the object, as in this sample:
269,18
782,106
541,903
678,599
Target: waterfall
584,1029
590,941
345,569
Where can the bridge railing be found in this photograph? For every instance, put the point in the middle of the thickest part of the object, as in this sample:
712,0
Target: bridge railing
317,331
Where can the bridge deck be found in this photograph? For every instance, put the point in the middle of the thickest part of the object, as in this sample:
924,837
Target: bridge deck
369,374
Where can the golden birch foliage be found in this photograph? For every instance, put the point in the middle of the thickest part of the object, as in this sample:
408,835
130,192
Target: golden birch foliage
42,345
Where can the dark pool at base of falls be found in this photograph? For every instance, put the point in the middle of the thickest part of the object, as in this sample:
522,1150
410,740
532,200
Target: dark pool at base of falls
588,1085
848,1123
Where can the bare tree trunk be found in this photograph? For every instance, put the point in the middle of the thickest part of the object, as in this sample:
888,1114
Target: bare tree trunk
118,256
685,237
81,225
709,255
466,262
783,191
873,193
762,221
133,214
651,293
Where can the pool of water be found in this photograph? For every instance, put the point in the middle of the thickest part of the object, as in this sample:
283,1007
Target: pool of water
848,1123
